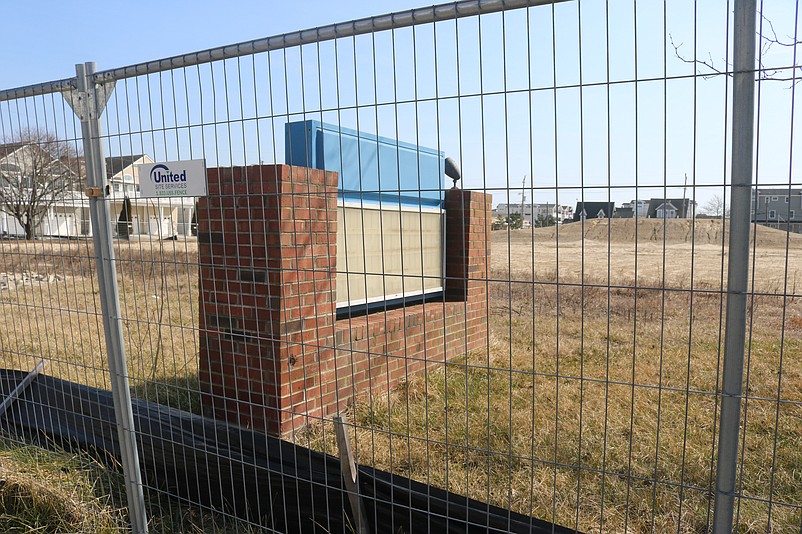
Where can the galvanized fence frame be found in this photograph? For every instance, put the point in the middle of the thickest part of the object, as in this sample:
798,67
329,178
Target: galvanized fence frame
89,91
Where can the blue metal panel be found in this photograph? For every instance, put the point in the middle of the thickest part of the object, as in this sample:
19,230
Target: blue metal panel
370,168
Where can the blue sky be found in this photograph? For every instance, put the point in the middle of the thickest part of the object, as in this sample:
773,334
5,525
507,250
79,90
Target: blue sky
508,108
43,39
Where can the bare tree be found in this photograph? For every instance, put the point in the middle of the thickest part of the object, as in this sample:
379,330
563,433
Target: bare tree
36,171
768,39
716,207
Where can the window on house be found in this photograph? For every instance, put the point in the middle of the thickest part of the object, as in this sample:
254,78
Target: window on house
117,188
791,214
772,214
774,198
786,200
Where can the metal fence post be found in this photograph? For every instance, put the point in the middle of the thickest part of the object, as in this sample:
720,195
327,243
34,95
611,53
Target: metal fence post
743,113
88,102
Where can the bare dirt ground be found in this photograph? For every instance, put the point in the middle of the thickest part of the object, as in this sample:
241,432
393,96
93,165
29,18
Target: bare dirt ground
673,254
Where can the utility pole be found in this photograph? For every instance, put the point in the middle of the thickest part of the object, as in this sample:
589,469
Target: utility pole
684,197
523,199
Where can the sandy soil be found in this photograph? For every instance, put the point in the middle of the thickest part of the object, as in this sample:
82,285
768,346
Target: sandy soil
674,254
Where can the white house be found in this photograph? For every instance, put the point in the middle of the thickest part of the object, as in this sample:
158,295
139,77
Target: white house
149,216
671,208
531,213
67,210
123,174
38,180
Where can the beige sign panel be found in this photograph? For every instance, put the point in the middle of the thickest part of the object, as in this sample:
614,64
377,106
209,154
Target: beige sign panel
383,254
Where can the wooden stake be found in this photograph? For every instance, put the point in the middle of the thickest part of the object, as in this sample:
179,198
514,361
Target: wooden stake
349,472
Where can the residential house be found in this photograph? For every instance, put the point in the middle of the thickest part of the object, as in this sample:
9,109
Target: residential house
533,212
563,214
778,208
68,209
671,208
156,217
594,210
123,175
633,208
52,176
623,212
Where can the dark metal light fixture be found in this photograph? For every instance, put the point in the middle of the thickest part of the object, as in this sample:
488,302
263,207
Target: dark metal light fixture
452,171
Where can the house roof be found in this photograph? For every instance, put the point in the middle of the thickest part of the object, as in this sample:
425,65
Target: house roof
682,205
116,164
592,209
59,160
9,148
624,213
775,191
75,164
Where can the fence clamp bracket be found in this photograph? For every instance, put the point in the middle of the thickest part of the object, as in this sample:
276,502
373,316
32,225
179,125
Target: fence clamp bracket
94,192
86,104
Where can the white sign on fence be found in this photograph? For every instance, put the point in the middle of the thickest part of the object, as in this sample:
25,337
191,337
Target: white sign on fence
173,179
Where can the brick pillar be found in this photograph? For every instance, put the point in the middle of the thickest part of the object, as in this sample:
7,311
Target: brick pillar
468,218
267,239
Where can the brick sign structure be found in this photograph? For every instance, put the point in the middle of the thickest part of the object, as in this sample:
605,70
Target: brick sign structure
273,356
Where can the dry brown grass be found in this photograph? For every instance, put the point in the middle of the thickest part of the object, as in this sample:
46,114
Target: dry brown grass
62,321
43,491
57,491
610,252
548,423
595,407
637,368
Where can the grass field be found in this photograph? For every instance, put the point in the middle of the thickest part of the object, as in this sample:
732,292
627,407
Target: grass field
594,406
549,423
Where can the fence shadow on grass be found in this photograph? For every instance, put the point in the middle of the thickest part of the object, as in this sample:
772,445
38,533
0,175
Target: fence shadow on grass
181,393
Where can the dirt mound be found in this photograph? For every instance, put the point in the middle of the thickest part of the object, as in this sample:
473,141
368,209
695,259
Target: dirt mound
700,231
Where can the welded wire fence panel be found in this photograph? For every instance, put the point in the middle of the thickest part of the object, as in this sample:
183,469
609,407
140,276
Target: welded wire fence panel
538,347
51,314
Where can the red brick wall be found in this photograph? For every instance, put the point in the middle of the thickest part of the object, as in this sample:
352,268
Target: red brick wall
272,355
468,218
267,245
